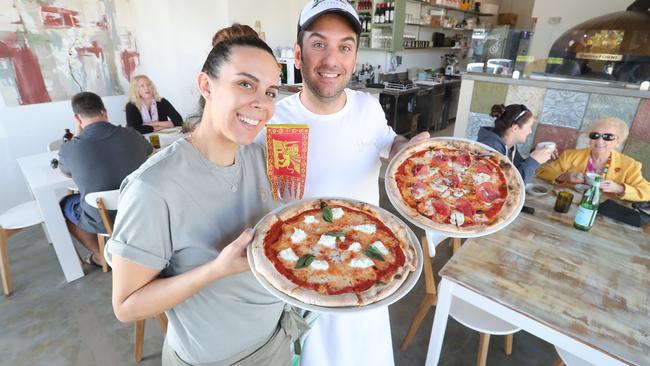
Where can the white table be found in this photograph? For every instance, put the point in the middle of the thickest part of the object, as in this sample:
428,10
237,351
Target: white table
166,136
44,183
585,292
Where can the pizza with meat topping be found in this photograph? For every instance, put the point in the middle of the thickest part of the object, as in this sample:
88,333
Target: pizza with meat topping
454,185
334,252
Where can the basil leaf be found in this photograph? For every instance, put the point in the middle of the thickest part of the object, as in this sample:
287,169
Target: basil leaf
336,234
304,261
373,253
327,214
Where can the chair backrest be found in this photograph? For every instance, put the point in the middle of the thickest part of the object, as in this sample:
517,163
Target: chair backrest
55,145
104,201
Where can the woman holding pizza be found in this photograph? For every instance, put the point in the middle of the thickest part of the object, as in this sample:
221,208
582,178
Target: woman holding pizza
180,238
622,175
512,125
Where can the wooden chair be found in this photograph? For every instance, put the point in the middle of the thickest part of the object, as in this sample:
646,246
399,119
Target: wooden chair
105,201
430,296
464,313
569,359
11,222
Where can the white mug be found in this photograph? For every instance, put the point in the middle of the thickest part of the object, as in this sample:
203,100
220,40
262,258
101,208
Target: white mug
546,144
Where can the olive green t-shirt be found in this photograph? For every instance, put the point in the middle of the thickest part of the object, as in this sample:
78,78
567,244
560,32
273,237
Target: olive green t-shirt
176,212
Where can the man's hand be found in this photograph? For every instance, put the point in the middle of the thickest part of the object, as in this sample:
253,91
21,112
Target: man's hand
401,141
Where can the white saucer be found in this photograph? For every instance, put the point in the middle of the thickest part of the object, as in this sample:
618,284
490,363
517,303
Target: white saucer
537,190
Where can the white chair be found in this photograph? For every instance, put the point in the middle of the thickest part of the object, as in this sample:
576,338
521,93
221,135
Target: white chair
55,145
463,312
104,201
12,221
484,323
569,359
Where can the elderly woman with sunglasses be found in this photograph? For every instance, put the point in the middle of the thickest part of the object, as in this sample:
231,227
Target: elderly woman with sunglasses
512,125
621,174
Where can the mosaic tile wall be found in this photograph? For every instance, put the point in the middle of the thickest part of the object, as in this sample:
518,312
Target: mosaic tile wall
562,115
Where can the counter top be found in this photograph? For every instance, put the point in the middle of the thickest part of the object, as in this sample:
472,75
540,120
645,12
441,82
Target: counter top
434,83
558,82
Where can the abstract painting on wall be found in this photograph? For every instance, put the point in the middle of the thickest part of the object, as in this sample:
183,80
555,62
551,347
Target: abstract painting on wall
53,49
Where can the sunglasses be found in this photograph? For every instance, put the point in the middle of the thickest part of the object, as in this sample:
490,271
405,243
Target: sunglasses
605,136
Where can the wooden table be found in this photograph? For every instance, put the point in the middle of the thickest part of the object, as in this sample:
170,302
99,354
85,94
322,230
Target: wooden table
585,292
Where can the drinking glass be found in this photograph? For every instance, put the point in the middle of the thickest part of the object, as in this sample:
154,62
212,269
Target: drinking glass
563,202
155,140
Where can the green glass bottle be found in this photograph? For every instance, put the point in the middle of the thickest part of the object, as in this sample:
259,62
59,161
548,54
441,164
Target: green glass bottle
588,208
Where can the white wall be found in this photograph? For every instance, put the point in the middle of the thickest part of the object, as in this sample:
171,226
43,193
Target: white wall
572,13
524,10
279,19
174,39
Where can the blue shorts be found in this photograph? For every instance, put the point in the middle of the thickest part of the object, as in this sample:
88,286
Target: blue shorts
71,207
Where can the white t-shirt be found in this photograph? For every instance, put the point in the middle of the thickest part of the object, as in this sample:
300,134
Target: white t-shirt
344,147
343,161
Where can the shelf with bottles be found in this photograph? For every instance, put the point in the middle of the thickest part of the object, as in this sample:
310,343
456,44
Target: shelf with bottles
440,28
384,14
375,49
448,7
437,48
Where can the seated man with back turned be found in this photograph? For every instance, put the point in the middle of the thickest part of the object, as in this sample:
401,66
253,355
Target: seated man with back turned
98,158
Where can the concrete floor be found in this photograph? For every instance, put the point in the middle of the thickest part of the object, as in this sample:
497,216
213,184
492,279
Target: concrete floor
47,321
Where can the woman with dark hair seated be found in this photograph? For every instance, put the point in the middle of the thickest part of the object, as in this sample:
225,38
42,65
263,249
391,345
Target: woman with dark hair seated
512,126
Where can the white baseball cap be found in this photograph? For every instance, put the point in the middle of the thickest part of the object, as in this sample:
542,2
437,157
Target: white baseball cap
316,8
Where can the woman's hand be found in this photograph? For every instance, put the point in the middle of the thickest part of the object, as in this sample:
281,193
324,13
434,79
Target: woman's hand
161,125
543,155
232,258
571,177
139,293
609,186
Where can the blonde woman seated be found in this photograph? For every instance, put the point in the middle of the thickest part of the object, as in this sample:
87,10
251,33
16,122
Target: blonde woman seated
146,111
621,174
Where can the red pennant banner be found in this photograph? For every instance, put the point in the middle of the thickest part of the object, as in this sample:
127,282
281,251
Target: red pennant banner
286,164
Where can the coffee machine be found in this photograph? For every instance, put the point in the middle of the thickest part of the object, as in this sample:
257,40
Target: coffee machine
450,62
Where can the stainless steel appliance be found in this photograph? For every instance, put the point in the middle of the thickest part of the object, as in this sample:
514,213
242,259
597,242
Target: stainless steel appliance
450,61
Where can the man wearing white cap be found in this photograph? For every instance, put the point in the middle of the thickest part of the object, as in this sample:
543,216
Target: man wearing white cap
348,134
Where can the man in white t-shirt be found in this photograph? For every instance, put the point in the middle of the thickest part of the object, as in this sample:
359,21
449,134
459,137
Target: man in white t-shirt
348,135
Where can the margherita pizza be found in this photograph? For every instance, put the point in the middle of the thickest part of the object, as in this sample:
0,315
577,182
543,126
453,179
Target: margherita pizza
332,252
453,185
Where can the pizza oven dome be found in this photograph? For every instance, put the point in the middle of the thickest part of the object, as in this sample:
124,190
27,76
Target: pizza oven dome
615,46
